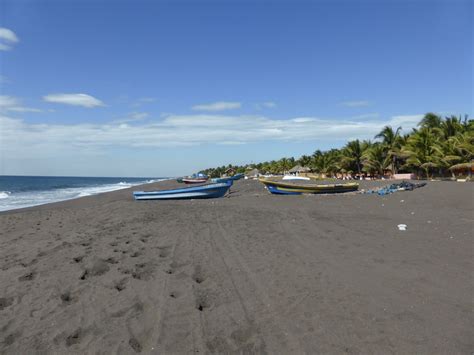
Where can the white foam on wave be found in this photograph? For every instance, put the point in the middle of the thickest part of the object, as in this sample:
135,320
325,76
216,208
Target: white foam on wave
29,199
4,194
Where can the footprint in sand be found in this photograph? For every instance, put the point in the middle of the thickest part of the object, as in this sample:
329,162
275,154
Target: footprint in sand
164,251
199,276
143,271
203,301
99,267
5,302
27,277
111,260
78,259
121,285
10,339
75,337
135,345
135,254
67,298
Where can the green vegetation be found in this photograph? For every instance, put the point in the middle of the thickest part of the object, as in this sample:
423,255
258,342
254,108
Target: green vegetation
439,146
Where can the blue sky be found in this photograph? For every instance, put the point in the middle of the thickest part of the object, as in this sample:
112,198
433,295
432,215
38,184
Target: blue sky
156,88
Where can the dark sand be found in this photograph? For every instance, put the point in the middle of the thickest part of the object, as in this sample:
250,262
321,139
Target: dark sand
251,273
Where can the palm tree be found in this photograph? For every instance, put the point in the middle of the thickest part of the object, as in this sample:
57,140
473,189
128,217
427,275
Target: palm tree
451,126
430,120
326,162
352,156
391,141
305,160
285,164
375,159
423,150
437,143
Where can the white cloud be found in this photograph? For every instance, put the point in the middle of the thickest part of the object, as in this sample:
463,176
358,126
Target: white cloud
7,38
30,141
25,109
217,106
360,103
9,103
406,121
83,100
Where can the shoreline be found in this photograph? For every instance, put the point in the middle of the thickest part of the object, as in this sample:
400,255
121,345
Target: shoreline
251,272
79,197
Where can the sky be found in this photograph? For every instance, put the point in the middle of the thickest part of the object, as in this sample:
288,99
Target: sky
166,88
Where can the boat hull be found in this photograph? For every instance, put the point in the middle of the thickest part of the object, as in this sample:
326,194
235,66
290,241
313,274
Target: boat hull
194,181
281,188
237,176
199,192
221,180
228,178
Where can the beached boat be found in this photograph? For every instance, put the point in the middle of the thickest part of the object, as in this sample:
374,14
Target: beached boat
222,179
227,178
284,188
199,178
237,176
194,180
196,192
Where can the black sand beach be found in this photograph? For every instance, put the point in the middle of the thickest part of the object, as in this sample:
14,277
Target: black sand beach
249,273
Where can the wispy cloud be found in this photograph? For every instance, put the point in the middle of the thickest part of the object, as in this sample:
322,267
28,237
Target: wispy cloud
83,100
23,139
147,99
267,104
360,103
217,106
7,39
367,116
10,103
143,100
133,117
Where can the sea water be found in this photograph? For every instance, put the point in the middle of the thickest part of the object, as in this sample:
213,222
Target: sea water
25,191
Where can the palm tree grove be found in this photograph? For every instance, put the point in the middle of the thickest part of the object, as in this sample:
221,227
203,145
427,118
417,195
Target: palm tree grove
438,147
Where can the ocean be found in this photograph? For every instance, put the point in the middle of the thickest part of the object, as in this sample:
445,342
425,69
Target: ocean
26,191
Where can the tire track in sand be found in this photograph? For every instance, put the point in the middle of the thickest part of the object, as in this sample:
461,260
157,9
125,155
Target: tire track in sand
249,285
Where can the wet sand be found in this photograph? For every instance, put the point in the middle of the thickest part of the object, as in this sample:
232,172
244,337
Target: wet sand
248,273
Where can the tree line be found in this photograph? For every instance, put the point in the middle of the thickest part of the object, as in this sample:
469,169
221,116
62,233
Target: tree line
438,146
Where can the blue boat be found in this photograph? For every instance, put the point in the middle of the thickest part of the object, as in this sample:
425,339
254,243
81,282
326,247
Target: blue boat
187,193
237,176
228,178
